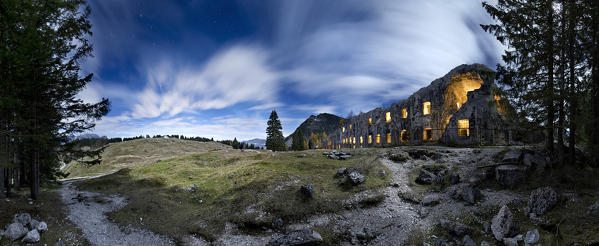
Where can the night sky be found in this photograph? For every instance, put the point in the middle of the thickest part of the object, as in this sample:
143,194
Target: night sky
216,68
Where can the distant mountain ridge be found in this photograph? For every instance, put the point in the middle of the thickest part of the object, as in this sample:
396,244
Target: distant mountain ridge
324,122
257,142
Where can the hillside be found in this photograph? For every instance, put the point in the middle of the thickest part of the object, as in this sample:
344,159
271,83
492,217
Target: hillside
327,123
140,152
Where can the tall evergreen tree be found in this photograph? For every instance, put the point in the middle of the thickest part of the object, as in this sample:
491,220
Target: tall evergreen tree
274,133
41,46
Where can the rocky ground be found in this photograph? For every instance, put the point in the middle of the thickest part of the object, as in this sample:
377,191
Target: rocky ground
437,196
88,211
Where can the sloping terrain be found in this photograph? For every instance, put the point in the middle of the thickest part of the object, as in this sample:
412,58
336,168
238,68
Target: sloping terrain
140,152
318,124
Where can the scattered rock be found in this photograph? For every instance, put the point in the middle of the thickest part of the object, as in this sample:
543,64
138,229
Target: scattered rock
454,178
471,194
383,173
344,157
365,235
32,237
532,236
342,171
510,241
355,178
430,200
326,153
33,224
398,156
302,155
42,227
541,200
59,243
278,223
503,224
441,242
512,156
307,191
594,209
15,231
510,175
455,228
303,237
465,192
23,218
534,161
425,177
484,243
467,241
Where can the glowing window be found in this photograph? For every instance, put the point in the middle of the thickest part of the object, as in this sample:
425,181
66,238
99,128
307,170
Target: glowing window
426,108
404,113
458,105
378,138
342,129
388,117
369,139
427,134
388,138
369,121
354,140
361,140
403,136
350,126
463,128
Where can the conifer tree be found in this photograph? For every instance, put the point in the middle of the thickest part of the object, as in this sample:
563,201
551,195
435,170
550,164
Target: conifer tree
299,142
274,134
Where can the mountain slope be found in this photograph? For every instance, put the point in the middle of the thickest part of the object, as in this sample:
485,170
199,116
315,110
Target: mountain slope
327,123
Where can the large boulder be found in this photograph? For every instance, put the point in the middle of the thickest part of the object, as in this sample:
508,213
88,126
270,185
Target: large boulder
471,194
455,228
341,172
398,156
503,224
512,156
305,237
468,193
467,241
32,237
593,210
355,178
454,178
15,231
430,200
541,200
307,191
22,219
425,177
510,175
534,161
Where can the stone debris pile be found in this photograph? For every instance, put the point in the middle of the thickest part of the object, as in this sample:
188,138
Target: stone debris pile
25,228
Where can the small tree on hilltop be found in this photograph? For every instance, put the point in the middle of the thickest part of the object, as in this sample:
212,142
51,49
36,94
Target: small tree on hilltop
274,134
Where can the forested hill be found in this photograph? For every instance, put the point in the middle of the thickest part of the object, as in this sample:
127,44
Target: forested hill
316,124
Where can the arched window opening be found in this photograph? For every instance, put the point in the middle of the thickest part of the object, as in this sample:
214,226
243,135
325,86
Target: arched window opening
388,117
427,134
426,108
404,113
464,128
403,136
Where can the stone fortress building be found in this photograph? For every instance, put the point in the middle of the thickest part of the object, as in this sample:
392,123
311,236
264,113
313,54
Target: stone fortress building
460,108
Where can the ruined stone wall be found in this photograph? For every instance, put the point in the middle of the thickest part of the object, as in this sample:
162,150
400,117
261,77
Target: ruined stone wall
464,93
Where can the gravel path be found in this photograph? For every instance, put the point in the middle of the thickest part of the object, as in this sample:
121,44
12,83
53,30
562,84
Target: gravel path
88,211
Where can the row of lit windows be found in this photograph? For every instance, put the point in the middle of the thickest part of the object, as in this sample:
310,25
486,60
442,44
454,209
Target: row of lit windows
427,134
426,109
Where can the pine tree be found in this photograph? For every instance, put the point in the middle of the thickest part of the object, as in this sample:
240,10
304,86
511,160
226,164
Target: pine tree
41,46
274,134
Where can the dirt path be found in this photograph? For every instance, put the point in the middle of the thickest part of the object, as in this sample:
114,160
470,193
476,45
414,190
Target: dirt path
88,211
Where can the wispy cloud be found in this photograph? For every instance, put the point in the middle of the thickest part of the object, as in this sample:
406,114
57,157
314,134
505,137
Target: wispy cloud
237,74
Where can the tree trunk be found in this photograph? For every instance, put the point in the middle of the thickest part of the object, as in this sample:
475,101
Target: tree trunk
1,182
595,80
573,99
549,87
562,83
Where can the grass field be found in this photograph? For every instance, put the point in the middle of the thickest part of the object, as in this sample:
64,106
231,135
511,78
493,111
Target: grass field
249,189
140,152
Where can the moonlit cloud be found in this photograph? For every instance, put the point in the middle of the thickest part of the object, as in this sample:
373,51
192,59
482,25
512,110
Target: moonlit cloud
170,68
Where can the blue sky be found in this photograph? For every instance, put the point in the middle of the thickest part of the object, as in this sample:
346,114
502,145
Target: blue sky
216,68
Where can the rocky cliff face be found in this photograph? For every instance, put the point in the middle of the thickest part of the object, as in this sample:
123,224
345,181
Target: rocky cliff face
433,114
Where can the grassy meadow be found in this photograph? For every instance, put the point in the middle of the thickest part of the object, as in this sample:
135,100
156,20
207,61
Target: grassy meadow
251,189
